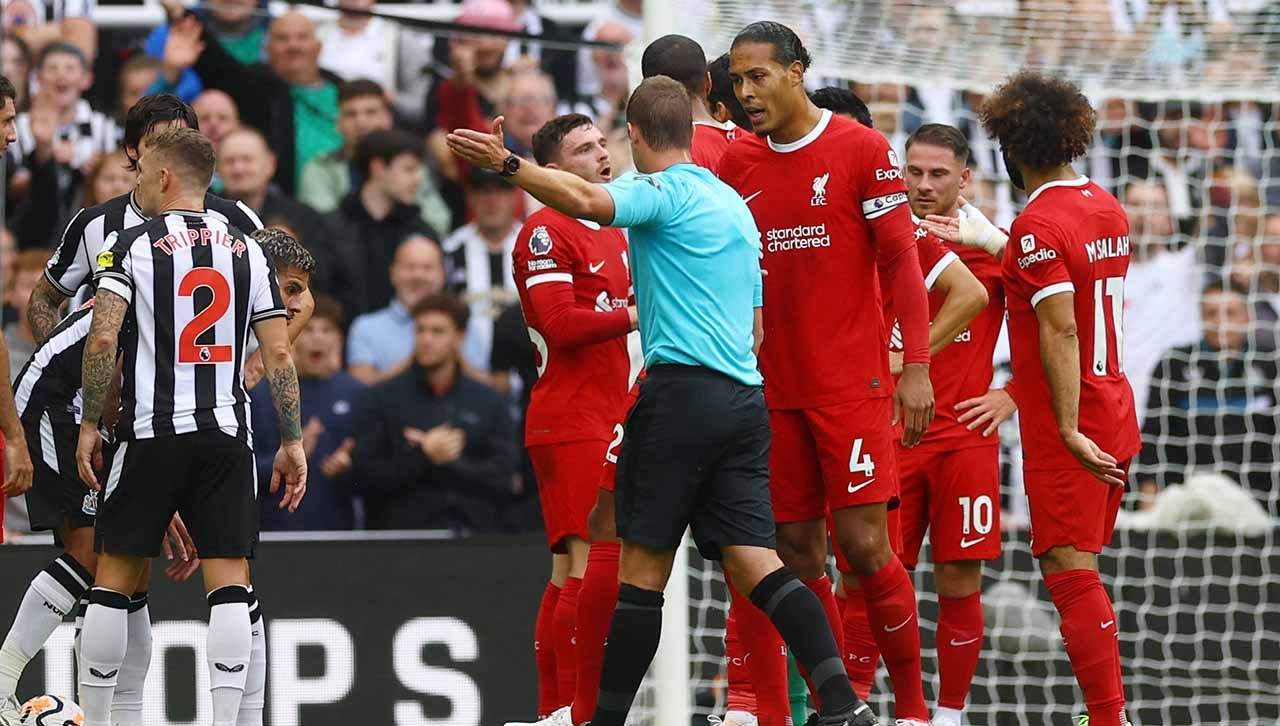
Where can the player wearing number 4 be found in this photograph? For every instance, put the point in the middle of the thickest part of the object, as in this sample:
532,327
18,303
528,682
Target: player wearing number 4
828,198
1064,272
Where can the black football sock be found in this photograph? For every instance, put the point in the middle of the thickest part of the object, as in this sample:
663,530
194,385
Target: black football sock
798,615
633,640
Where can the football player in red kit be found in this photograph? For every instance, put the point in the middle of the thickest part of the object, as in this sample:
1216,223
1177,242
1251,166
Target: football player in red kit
951,482
828,197
574,283
681,58
1064,272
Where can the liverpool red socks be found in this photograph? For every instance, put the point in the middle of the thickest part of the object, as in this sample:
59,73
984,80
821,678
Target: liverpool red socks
596,601
861,653
959,646
544,651
891,609
766,660
566,621
1089,630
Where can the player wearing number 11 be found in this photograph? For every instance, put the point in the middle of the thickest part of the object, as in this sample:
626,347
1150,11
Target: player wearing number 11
1064,270
191,287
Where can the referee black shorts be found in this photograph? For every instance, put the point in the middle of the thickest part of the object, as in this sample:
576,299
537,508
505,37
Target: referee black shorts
206,476
696,453
57,497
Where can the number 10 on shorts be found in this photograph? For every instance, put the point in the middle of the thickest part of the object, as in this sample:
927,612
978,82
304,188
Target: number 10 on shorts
976,513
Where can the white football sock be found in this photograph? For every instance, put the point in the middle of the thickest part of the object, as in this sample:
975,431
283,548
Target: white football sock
126,707
50,597
255,687
104,641
230,644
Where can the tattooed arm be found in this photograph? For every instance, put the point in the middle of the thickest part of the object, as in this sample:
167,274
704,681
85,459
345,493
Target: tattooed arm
96,374
45,309
291,461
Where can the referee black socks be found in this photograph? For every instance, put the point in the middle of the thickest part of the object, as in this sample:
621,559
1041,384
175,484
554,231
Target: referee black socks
633,641
798,615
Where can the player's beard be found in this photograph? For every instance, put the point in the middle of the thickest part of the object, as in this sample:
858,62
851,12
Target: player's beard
1015,174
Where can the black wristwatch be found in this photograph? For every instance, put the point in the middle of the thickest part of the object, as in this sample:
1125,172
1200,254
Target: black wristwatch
510,166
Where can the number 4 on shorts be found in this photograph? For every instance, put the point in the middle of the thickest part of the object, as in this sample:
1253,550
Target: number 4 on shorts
865,465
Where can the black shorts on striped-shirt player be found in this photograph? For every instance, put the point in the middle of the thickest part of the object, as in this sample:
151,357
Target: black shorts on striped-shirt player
696,454
206,476
57,497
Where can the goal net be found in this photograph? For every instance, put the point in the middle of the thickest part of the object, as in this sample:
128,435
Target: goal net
1188,101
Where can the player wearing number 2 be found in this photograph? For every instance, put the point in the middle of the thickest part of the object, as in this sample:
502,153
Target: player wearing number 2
1064,270
574,281
192,287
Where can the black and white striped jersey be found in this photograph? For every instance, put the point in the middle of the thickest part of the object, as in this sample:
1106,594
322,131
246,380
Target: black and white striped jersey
90,132
47,389
195,286
70,270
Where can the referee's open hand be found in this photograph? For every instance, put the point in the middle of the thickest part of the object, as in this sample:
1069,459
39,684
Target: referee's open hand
87,450
290,466
485,150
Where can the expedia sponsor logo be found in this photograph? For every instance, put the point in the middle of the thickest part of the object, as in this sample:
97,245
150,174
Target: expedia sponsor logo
801,237
1039,255
888,174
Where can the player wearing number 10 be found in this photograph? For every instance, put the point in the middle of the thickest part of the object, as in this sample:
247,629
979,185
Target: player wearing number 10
1064,270
191,286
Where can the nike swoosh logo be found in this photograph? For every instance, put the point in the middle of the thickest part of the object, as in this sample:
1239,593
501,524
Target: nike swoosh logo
966,544
854,490
899,626
957,644
1107,624
753,196
596,267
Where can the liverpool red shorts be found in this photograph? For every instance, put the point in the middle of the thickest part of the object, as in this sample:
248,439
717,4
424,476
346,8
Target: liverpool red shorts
1071,507
955,496
568,481
831,457
894,522
610,471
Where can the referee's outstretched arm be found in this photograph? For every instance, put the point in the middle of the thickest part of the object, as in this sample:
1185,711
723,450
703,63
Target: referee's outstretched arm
560,190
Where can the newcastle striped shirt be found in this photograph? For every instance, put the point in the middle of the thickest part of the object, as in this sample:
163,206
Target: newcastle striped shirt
47,389
90,132
196,285
71,268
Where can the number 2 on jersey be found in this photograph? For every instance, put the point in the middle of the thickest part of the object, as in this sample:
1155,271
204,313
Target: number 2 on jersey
1110,289
188,350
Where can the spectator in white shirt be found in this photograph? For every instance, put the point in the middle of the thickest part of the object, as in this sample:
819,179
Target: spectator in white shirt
1161,310
360,46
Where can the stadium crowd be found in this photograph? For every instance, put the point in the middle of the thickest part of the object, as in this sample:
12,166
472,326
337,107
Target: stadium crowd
335,131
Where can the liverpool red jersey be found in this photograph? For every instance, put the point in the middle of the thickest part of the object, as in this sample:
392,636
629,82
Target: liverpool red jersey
709,144
1073,236
823,204
573,278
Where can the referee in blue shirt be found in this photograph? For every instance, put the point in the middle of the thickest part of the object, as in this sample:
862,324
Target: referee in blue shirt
696,451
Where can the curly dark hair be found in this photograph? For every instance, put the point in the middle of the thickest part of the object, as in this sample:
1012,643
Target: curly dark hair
1041,121
283,249
787,48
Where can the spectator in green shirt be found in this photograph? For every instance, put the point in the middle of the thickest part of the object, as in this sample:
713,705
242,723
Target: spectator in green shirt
363,106
290,99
